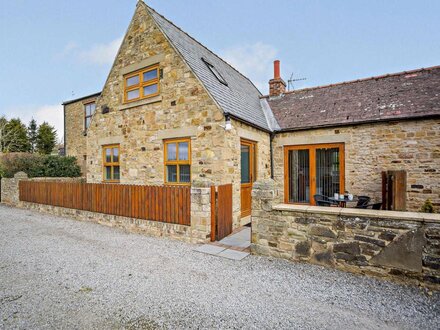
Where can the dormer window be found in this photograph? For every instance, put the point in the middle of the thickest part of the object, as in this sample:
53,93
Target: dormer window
141,84
215,72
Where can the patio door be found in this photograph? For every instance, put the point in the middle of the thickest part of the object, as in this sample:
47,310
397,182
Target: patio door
313,169
248,175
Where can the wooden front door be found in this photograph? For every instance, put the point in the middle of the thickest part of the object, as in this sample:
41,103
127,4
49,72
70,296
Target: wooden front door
248,175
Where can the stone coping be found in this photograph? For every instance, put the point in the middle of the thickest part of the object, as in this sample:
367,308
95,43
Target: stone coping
398,215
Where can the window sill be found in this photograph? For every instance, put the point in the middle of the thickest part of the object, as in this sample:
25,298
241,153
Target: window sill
134,104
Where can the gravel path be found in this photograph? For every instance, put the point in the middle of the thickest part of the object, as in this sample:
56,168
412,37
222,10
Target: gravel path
61,273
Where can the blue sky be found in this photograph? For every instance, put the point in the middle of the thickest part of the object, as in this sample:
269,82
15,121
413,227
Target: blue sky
56,50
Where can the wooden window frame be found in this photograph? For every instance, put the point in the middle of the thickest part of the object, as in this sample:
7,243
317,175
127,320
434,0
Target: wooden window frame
312,175
140,86
111,164
177,162
85,114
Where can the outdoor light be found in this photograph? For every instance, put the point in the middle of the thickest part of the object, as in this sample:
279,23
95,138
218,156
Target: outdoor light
228,125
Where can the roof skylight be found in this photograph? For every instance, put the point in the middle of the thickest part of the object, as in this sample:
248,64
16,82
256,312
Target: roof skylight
215,72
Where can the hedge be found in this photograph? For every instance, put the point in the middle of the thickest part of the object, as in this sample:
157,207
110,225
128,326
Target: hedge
35,165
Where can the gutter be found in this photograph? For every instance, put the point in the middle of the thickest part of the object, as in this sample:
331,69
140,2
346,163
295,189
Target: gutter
81,98
227,114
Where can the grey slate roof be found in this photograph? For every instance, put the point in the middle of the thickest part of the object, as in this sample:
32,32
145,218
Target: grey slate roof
404,95
240,98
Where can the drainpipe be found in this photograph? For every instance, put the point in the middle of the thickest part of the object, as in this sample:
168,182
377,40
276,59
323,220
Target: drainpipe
64,123
272,136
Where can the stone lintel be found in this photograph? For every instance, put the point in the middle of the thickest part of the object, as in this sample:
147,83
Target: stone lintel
313,139
180,132
142,64
111,140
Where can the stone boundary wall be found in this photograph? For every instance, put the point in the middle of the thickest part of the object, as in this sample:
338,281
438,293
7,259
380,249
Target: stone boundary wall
198,232
146,227
9,186
401,246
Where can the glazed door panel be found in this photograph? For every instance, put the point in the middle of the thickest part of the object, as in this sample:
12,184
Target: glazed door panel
248,176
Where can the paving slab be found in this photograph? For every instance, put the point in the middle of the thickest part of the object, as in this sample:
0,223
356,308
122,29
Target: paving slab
233,255
209,249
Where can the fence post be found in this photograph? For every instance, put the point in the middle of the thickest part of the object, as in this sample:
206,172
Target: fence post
201,210
10,193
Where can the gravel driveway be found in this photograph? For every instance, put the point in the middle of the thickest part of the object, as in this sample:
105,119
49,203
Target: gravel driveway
61,273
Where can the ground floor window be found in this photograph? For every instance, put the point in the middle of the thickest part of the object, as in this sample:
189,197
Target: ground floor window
111,163
313,169
178,161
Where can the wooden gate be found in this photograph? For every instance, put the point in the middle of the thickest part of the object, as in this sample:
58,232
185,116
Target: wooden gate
394,190
221,211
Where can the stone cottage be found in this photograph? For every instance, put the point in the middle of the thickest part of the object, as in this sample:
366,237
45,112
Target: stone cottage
172,112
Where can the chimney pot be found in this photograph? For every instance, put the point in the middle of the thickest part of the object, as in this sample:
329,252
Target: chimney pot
277,86
276,69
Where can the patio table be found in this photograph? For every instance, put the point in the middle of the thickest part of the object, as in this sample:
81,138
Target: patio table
342,202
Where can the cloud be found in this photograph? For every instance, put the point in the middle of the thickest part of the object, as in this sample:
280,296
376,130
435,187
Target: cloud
98,54
101,54
253,60
53,114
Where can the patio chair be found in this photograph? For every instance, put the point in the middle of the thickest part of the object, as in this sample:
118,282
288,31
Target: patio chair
322,200
362,202
374,206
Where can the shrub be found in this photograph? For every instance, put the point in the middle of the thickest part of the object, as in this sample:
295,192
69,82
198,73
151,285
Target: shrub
35,165
427,207
57,166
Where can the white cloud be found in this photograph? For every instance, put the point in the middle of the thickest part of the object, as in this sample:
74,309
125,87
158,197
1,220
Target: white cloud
101,54
253,60
53,114
98,54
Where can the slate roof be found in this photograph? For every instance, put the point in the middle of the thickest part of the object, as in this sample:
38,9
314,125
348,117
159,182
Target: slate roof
81,98
240,98
404,95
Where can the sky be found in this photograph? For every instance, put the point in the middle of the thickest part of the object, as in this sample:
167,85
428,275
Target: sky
56,50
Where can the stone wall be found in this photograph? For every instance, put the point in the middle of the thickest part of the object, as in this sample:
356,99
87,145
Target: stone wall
198,232
403,246
182,109
413,146
9,188
75,131
232,156
132,225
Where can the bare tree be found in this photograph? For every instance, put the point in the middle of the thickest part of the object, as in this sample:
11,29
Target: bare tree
9,137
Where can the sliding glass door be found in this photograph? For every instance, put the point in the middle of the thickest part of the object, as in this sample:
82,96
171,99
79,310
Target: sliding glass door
313,169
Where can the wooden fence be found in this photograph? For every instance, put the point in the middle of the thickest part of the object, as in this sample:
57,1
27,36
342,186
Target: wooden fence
157,203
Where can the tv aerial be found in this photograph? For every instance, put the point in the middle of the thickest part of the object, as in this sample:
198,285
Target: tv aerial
290,82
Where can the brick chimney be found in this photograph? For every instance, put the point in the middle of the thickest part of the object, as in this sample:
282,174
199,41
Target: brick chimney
277,86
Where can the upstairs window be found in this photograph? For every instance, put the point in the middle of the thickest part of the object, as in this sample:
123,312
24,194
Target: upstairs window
141,84
215,72
111,163
178,161
89,110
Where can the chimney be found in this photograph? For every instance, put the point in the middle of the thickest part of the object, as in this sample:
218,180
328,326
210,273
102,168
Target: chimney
277,86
